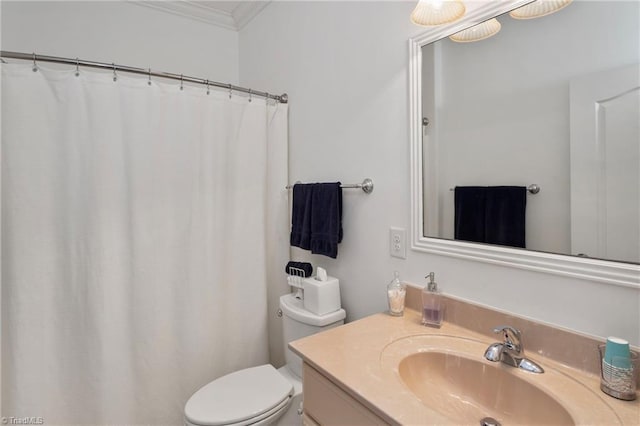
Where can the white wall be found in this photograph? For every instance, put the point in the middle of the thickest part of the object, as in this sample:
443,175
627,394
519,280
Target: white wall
344,65
121,32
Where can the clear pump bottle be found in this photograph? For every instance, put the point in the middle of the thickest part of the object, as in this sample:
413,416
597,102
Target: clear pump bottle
396,292
432,306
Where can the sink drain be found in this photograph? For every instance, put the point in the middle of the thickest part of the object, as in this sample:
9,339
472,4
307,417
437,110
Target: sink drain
489,421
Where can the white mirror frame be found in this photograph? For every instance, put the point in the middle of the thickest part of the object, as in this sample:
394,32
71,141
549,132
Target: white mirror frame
618,273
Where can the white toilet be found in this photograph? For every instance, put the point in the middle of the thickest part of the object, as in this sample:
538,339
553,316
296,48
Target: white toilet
262,395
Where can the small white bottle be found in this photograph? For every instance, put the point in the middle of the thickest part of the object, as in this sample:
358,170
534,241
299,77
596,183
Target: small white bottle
432,307
396,292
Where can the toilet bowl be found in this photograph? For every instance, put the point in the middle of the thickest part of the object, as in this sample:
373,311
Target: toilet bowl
253,396
262,395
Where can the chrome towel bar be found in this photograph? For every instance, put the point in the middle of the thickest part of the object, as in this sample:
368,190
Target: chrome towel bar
533,188
366,185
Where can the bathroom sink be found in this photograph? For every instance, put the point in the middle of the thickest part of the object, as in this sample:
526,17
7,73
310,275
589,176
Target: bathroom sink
466,390
449,377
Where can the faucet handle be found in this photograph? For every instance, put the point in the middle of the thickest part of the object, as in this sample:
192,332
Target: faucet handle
512,337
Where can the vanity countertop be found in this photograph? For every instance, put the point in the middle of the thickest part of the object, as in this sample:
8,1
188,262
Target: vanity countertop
355,357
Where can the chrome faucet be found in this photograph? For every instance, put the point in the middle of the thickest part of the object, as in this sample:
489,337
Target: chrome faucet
511,351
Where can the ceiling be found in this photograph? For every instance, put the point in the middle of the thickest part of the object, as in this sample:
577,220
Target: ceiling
233,15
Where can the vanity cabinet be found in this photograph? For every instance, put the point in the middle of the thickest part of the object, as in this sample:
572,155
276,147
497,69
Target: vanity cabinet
325,404
393,370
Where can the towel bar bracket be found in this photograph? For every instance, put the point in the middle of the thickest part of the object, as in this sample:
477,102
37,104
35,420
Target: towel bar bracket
533,188
367,185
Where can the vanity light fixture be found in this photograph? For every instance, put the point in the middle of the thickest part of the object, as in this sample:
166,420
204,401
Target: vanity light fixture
436,12
478,32
539,8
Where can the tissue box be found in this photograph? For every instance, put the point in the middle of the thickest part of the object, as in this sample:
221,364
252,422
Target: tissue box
321,297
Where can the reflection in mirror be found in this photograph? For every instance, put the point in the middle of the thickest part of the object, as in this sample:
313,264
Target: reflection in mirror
552,101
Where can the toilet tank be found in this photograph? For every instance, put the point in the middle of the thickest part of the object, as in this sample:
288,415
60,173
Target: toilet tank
297,323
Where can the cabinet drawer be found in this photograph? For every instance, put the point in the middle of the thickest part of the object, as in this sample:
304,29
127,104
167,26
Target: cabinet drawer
328,405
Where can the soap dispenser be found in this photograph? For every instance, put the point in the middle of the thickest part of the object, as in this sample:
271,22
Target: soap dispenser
432,307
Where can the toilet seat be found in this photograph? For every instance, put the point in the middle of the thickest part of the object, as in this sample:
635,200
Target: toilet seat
241,398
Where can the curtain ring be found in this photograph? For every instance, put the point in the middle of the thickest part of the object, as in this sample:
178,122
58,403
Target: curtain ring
149,81
181,82
266,99
230,90
250,95
208,90
35,66
77,67
115,76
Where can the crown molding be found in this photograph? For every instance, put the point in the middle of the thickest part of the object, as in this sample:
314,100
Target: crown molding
246,11
205,11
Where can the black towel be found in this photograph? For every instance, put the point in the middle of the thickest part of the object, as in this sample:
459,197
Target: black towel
505,215
316,218
469,213
301,216
494,215
305,267
326,218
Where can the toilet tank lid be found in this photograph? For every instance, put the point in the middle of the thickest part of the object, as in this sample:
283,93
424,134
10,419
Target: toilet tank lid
238,396
294,309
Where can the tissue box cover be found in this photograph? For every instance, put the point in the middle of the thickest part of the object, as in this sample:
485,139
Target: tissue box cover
321,297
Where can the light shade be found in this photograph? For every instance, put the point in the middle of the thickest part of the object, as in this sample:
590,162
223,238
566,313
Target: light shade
477,32
539,8
436,12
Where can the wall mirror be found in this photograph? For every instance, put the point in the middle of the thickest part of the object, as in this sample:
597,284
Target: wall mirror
552,101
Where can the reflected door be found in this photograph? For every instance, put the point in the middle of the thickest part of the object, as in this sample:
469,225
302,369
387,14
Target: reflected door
605,164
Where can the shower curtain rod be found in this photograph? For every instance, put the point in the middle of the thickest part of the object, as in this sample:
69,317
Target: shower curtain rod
284,98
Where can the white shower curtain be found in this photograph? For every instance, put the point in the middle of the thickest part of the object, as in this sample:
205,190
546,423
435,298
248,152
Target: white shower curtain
136,226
